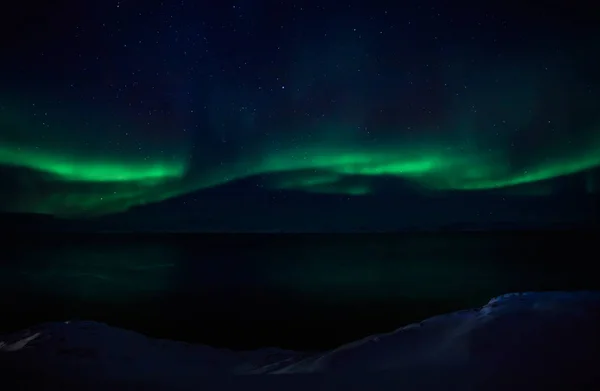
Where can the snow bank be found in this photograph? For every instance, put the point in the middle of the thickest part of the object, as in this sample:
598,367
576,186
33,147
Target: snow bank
517,341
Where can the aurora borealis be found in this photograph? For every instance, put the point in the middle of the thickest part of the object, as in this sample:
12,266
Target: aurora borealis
129,103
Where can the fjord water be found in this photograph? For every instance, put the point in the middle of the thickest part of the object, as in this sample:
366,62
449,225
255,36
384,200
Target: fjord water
294,291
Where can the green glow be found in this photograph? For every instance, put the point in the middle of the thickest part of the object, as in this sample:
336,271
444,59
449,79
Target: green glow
76,168
435,167
319,182
70,173
102,168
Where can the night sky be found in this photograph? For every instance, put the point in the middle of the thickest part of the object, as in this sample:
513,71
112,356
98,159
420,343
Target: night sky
110,105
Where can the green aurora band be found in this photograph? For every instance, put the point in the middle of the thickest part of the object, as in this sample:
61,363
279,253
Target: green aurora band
82,184
59,169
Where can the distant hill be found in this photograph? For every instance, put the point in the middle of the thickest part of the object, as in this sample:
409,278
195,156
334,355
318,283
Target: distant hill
294,212
34,222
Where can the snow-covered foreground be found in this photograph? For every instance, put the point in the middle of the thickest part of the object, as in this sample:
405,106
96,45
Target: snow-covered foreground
546,340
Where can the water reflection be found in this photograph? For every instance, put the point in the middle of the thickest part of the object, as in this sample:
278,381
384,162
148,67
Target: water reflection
448,268
108,272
